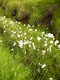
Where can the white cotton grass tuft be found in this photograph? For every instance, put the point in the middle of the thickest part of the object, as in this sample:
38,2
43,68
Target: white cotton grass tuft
18,35
31,38
51,42
14,44
35,30
38,38
50,78
56,42
33,46
12,49
43,66
49,35
43,52
58,46
43,33
45,44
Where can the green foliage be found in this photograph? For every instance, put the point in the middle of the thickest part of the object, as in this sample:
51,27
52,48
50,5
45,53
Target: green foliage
37,50
29,51
56,25
1,11
19,9
9,68
36,17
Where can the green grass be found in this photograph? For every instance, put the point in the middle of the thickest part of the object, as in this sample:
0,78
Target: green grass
9,68
34,12
32,52
56,25
29,51
24,8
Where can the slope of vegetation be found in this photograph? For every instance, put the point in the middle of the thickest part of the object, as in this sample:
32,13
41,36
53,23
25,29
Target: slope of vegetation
35,12
9,68
36,49
29,40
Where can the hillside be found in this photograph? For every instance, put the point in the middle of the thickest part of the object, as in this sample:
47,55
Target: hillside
29,40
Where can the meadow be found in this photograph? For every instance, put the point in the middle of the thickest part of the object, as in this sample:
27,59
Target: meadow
29,40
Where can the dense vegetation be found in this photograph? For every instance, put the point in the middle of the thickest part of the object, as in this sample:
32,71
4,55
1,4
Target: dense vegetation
29,40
